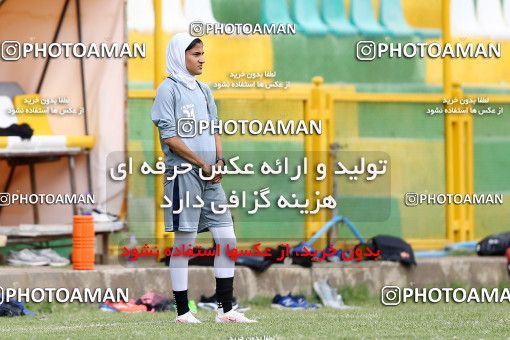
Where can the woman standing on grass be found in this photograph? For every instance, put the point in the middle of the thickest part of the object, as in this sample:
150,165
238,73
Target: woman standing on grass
181,99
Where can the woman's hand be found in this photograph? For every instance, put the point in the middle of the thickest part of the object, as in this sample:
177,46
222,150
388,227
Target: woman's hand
219,165
206,169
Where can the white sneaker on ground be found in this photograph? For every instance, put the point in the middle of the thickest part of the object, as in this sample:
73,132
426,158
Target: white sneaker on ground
232,316
26,257
329,295
187,318
53,257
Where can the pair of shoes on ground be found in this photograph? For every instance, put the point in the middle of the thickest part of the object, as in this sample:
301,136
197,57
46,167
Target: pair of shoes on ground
211,303
329,295
294,302
231,316
33,258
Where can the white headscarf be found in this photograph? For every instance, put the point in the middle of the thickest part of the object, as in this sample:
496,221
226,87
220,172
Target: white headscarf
175,60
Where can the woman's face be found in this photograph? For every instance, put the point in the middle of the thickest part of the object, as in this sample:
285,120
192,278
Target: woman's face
195,59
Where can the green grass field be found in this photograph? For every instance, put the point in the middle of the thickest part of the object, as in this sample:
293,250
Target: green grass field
371,320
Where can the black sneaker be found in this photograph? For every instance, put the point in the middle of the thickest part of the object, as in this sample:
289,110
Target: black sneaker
211,303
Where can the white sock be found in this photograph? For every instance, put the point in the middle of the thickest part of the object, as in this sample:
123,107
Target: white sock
179,264
223,264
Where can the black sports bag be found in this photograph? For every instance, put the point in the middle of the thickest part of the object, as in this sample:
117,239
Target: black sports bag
393,249
493,245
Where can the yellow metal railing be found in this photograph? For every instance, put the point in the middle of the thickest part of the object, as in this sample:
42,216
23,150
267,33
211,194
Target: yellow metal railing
318,102
458,135
317,148
162,239
459,171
